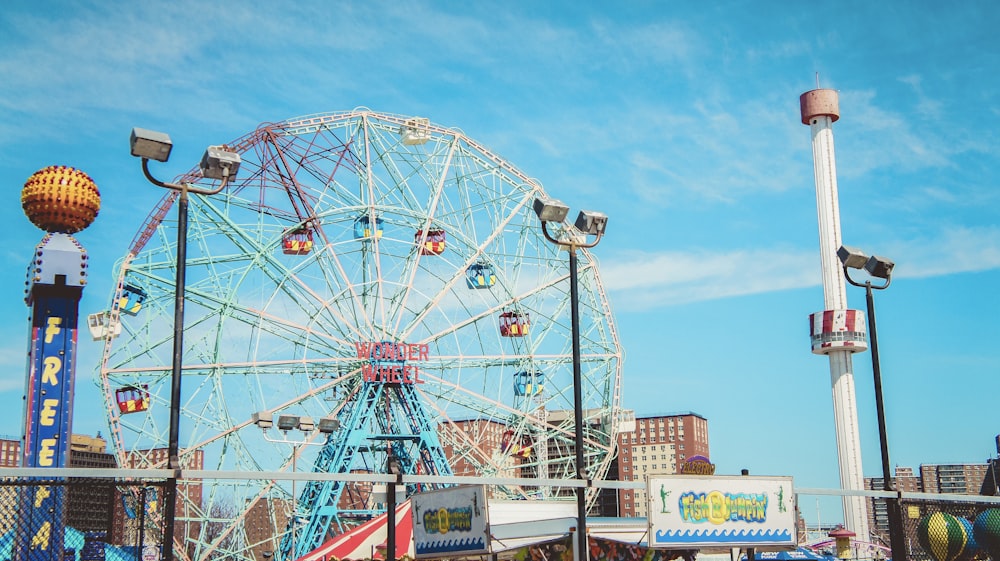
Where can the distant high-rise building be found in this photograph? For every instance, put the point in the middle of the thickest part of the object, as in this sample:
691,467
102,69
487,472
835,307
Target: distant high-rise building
10,451
471,443
10,457
961,479
659,445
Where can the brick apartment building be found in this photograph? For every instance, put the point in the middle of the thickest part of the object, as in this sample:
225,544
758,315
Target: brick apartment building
658,445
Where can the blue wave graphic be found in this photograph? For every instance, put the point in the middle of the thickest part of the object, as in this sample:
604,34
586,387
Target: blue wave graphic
722,536
451,546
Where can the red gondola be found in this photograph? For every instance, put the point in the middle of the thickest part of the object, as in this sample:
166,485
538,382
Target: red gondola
514,324
433,244
132,399
297,242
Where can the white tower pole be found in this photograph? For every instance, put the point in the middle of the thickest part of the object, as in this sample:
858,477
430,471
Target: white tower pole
837,332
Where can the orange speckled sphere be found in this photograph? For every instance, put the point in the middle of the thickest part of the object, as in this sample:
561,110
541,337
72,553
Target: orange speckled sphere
60,199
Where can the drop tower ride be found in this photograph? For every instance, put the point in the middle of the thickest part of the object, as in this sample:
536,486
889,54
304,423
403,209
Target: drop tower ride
836,332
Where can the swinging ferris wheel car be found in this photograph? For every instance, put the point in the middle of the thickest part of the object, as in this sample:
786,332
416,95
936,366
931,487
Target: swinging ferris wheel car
318,285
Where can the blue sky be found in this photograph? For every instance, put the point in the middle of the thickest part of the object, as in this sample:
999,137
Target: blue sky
680,120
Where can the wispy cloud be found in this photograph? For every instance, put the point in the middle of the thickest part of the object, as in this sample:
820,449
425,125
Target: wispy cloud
644,280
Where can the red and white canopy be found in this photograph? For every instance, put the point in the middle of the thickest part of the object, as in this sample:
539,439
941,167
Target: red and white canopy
368,540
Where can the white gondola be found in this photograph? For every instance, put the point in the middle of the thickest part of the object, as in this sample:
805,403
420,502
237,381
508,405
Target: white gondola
100,326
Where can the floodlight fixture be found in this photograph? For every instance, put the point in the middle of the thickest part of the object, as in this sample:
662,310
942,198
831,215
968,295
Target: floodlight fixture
876,266
328,425
852,257
879,267
288,422
150,145
591,222
550,210
263,419
219,163
306,424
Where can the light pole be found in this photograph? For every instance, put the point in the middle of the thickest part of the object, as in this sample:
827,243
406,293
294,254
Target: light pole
878,267
588,223
326,425
392,467
220,164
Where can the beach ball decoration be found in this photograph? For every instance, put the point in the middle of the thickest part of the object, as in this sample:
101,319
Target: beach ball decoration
60,199
942,535
986,530
971,547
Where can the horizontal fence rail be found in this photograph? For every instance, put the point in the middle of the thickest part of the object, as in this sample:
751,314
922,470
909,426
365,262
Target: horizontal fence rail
120,509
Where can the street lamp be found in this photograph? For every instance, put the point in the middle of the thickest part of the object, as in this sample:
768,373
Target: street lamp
588,223
217,163
326,425
878,267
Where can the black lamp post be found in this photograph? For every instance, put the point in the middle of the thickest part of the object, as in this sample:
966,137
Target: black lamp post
878,267
217,163
392,467
587,223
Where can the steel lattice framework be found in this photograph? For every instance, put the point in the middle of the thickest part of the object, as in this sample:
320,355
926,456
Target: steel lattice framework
344,229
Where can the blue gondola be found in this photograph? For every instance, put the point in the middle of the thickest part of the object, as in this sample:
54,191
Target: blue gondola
363,228
528,383
480,275
131,300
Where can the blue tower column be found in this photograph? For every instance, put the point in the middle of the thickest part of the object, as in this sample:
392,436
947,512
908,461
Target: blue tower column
56,277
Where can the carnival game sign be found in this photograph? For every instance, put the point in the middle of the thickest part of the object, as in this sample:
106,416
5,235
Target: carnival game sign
697,465
704,511
450,522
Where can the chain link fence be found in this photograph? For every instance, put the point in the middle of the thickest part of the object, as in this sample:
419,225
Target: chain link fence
99,518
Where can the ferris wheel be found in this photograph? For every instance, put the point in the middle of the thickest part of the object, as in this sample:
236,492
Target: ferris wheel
379,275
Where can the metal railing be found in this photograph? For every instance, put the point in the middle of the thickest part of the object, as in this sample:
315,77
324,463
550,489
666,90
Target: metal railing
117,509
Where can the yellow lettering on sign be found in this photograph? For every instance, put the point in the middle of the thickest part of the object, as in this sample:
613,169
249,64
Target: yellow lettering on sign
41,538
41,494
46,456
48,414
52,329
50,369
